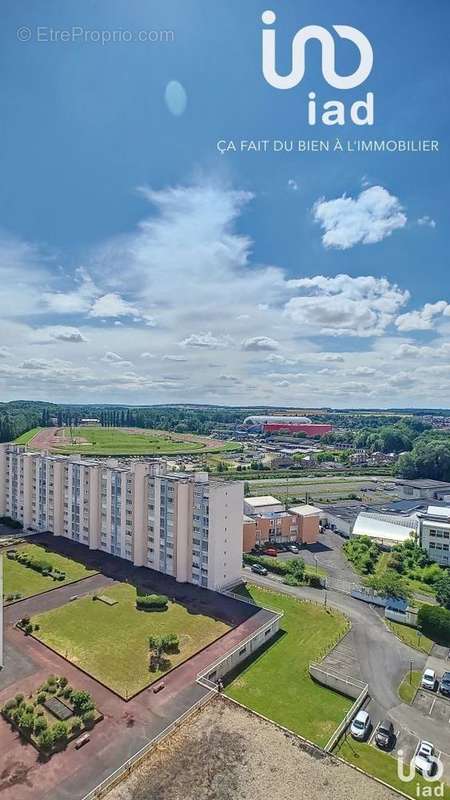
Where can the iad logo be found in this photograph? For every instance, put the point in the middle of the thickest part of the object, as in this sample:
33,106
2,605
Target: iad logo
431,770
335,109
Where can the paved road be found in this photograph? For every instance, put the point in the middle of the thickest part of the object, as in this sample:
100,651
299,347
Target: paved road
55,598
383,659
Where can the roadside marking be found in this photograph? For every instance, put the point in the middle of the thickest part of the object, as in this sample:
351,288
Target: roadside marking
432,706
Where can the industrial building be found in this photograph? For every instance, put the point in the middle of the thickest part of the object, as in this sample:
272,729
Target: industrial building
183,525
264,423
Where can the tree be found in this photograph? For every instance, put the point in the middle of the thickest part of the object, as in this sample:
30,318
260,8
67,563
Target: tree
45,740
435,623
159,646
389,584
82,702
296,568
443,590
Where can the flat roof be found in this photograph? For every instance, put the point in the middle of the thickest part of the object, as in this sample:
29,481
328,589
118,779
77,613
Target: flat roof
262,500
305,510
426,483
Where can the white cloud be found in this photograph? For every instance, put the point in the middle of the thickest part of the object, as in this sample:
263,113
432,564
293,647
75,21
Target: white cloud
369,218
169,357
424,319
259,343
113,305
426,221
205,340
362,306
293,185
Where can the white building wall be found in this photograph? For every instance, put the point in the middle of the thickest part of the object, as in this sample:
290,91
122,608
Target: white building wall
225,533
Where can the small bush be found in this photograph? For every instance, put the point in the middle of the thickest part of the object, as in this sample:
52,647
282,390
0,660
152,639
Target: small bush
67,692
152,602
9,597
40,724
315,581
19,699
28,628
89,719
45,740
76,724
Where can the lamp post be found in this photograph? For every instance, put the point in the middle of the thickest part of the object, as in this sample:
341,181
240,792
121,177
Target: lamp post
419,635
317,567
411,663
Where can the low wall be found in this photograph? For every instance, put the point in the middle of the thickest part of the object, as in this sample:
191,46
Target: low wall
408,617
339,683
222,667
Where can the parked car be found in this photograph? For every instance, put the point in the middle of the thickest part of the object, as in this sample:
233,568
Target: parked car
429,679
425,759
258,569
360,726
270,551
385,734
444,687
293,548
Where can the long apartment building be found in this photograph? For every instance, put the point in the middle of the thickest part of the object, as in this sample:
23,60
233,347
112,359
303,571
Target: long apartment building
183,525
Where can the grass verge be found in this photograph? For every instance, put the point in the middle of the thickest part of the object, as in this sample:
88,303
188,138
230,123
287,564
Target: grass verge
409,686
384,766
411,637
26,437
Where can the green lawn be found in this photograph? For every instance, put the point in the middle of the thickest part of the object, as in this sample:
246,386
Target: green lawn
277,682
384,766
26,437
410,636
113,441
111,642
409,686
19,579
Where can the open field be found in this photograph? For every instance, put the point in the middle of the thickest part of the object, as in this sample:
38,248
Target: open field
123,441
110,642
277,683
26,437
326,490
225,752
20,579
384,766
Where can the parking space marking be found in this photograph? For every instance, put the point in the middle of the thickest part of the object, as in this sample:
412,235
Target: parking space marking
432,706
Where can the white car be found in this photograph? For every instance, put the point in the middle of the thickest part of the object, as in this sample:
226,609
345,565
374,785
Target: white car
293,548
360,726
425,758
429,679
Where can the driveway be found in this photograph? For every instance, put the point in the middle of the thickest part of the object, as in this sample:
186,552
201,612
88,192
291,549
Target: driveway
328,554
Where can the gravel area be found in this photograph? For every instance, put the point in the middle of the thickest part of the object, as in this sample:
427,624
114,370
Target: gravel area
227,753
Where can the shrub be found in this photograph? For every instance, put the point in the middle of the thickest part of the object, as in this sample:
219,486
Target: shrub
39,712
36,627
67,692
88,718
435,623
59,733
19,699
152,602
62,681
9,706
24,621
292,580
51,680
40,724
82,702
76,723
45,740
26,722
314,581
9,597
53,688
28,628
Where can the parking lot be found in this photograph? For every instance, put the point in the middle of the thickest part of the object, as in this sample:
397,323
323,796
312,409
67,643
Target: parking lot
406,742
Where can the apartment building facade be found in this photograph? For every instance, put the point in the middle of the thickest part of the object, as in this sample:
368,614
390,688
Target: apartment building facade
180,524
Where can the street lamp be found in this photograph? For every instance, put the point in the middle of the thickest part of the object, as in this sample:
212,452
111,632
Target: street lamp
317,567
411,663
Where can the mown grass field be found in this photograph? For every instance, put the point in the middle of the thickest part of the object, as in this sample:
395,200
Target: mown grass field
111,642
277,683
384,766
19,579
26,437
120,441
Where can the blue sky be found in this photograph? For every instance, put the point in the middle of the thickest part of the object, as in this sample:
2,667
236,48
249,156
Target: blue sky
140,265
